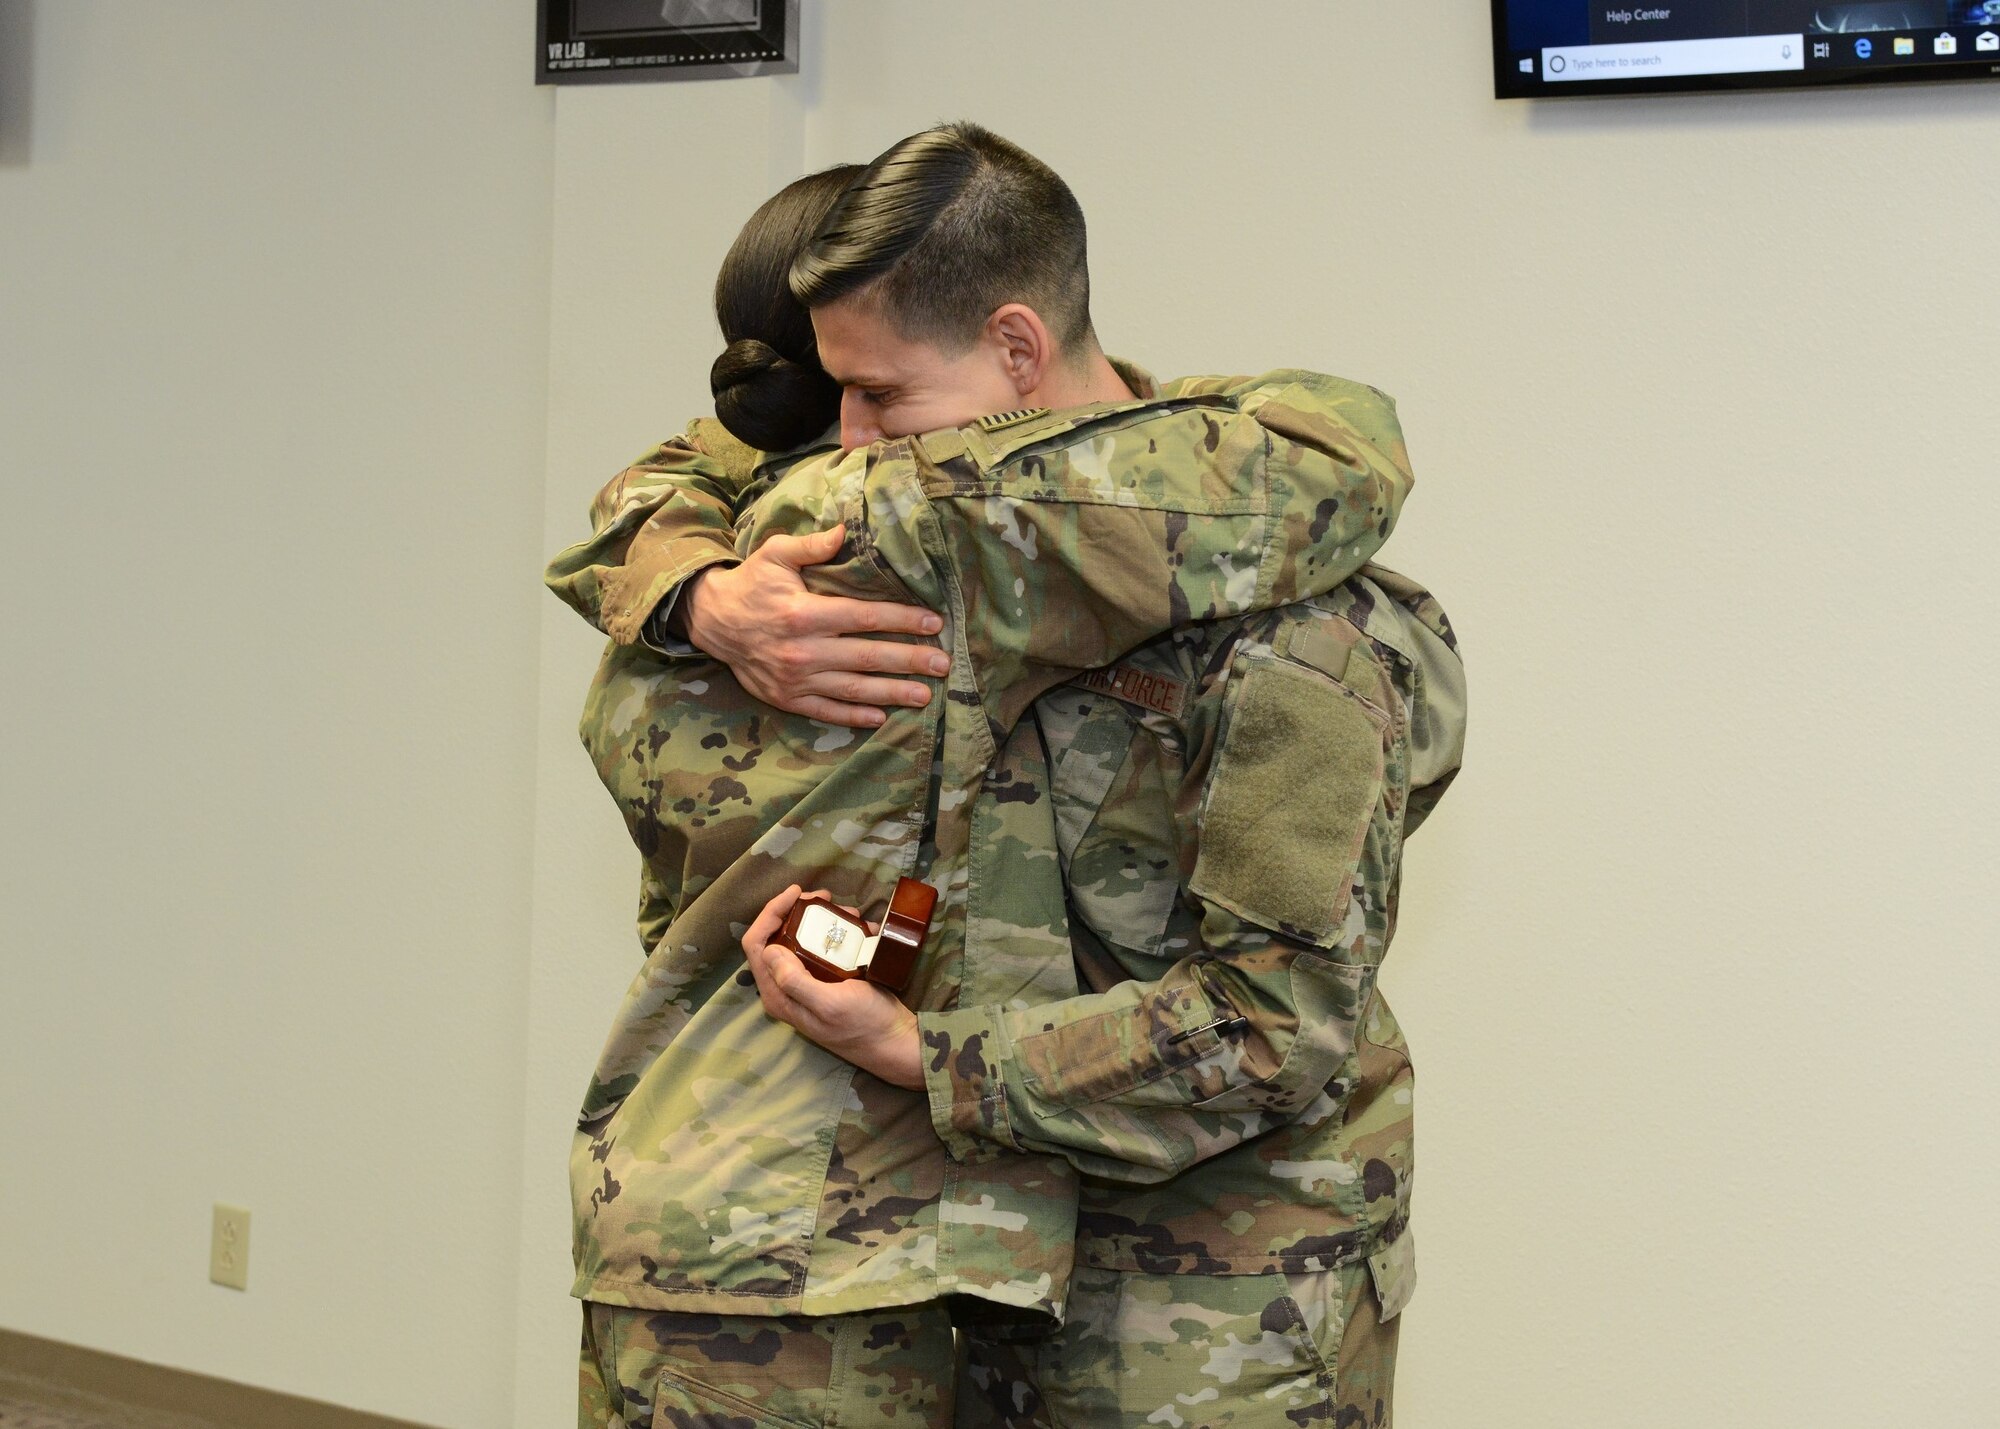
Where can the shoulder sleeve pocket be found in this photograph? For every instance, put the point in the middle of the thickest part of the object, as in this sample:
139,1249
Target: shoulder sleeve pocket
1290,800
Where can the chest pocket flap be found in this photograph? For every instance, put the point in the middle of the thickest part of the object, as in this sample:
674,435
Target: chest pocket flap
1113,817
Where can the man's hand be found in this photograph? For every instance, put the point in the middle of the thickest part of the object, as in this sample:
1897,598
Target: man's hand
855,1020
808,653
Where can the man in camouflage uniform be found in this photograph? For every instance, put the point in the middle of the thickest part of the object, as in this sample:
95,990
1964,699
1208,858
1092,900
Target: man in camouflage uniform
1230,804
1259,1082
1231,807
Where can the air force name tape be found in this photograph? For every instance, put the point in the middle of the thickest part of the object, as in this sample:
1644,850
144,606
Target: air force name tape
1160,693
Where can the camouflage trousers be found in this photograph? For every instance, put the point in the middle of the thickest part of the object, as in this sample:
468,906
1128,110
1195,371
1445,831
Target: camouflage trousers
649,1369
1191,1352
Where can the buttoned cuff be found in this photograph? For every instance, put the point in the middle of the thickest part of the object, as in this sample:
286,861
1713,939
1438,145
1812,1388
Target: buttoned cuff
966,1052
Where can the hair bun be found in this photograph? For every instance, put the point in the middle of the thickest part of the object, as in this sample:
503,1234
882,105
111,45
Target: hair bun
744,360
767,400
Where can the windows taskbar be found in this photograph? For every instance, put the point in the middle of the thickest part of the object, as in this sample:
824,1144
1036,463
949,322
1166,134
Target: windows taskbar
1748,62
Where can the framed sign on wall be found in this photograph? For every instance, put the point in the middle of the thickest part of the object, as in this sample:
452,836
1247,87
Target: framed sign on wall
601,41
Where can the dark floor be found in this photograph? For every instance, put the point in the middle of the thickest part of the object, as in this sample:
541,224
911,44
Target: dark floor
29,1404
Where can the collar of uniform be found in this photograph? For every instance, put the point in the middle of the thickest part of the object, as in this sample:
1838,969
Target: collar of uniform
771,465
991,440
1142,382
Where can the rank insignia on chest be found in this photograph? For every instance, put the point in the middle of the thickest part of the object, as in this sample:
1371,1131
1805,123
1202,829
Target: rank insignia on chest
997,421
836,945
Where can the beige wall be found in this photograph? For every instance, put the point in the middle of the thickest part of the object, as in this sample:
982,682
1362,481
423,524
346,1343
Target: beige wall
1692,958
273,375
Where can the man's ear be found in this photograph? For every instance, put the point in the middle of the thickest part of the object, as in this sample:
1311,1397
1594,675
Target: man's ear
1021,339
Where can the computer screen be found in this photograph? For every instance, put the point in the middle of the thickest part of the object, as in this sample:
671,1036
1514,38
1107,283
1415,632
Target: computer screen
1566,48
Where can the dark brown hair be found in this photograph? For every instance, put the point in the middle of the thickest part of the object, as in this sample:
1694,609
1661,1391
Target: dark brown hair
770,390
947,226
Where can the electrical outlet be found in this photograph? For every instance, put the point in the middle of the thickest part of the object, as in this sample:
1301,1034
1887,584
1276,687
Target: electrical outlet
229,1247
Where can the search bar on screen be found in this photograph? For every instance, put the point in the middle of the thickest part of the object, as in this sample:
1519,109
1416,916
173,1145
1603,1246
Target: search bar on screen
1663,59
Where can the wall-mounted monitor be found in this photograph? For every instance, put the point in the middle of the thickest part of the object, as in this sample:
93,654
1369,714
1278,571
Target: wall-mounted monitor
1568,48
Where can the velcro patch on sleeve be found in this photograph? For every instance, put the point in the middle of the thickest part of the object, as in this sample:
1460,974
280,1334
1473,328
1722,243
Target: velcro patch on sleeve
1289,801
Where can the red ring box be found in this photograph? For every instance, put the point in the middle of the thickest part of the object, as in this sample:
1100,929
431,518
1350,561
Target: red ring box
835,945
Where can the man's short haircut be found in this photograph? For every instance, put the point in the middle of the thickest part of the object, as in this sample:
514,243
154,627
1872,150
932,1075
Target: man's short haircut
947,226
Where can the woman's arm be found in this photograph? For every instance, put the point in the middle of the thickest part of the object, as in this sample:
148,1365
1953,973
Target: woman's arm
669,515
662,564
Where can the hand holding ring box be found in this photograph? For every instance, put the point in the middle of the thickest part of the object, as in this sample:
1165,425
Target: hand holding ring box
835,945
